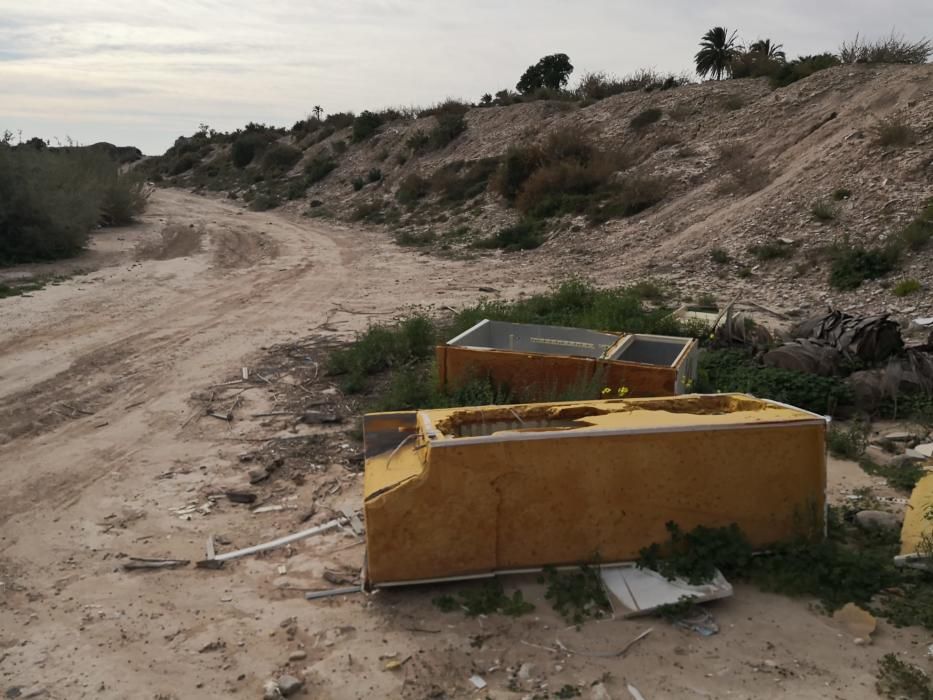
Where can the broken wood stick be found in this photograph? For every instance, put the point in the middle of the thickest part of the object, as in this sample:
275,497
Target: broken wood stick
210,547
76,409
281,541
142,563
607,654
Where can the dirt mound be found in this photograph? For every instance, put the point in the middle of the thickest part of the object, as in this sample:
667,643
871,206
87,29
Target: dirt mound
174,241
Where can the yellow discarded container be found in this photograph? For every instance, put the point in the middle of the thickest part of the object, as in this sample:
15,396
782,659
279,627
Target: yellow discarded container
537,361
917,530
471,491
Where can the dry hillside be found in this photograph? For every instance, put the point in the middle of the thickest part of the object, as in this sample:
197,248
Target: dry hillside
844,157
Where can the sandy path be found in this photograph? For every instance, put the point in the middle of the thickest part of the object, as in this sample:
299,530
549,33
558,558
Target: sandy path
95,380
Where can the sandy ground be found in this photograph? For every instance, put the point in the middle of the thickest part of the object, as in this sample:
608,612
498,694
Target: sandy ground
101,445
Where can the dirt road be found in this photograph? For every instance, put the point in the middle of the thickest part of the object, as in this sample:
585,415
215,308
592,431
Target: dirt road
103,453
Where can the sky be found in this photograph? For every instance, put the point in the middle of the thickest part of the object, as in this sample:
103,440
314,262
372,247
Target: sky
144,72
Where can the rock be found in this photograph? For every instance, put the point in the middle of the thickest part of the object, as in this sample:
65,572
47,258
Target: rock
525,671
34,692
598,692
898,435
912,453
877,520
878,455
317,417
925,449
270,691
289,685
257,475
242,496
298,655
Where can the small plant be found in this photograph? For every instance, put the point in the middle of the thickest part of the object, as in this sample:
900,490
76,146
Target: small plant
822,210
645,118
449,126
852,264
418,240
894,132
732,103
743,173
719,256
893,48
567,691
847,443
319,167
374,175
900,680
919,231
279,158
577,595
772,250
486,599
418,141
524,235
696,555
365,125
906,287
841,194
412,188
901,475
357,183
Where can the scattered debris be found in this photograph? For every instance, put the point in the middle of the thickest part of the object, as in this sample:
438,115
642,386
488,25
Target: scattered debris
598,691
395,664
272,544
267,509
641,591
699,620
241,496
314,595
141,563
298,655
607,654
478,682
634,692
270,690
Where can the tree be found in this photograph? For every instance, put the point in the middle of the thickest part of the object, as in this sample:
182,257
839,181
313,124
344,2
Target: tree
551,72
317,112
717,50
765,49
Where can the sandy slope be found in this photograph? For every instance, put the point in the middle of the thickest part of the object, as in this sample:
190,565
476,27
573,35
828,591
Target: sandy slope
98,450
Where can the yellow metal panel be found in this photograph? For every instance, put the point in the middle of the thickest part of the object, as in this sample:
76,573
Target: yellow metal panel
916,522
529,485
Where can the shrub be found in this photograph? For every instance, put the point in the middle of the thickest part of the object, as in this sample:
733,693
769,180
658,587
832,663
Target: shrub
891,49
744,173
357,183
418,141
449,126
415,239
732,103
365,125
645,118
772,250
297,188
339,120
847,443
374,175
906,287
841,194
372,212
899,679
182,165
524,235
517,166
894,132
719,256
852,265
448,106
280,157
382,347
550,72
244,150
319,167
339,147
919,231
599,85
822,210
802,67
633,195
561,187
459,181
412,188
50,200
264,201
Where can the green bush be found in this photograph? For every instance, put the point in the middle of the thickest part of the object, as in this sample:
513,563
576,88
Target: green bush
719,256
357,183
365,125
847,443
893,48
244,150
459,181
280,157
449,126
895,132
374,175
772,250
632,195
906,287
264,201
852,264
919,231
823,210
415,239
319,167
412,188
517,166
339,120
645,118
524,235
735,371
50,200
802,67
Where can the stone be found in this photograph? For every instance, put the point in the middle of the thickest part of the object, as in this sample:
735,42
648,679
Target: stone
925,449
877,520
298,655
257,475
598,692
270,691
898,435
525,671
289,685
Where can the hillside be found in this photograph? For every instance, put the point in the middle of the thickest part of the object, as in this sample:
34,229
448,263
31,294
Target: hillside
756,185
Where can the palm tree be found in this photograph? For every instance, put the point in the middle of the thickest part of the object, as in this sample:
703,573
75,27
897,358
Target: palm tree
717,49
766,49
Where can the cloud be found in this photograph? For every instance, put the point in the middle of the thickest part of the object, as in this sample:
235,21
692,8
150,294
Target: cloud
164,66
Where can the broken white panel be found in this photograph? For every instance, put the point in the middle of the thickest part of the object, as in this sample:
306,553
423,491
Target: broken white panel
641,591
